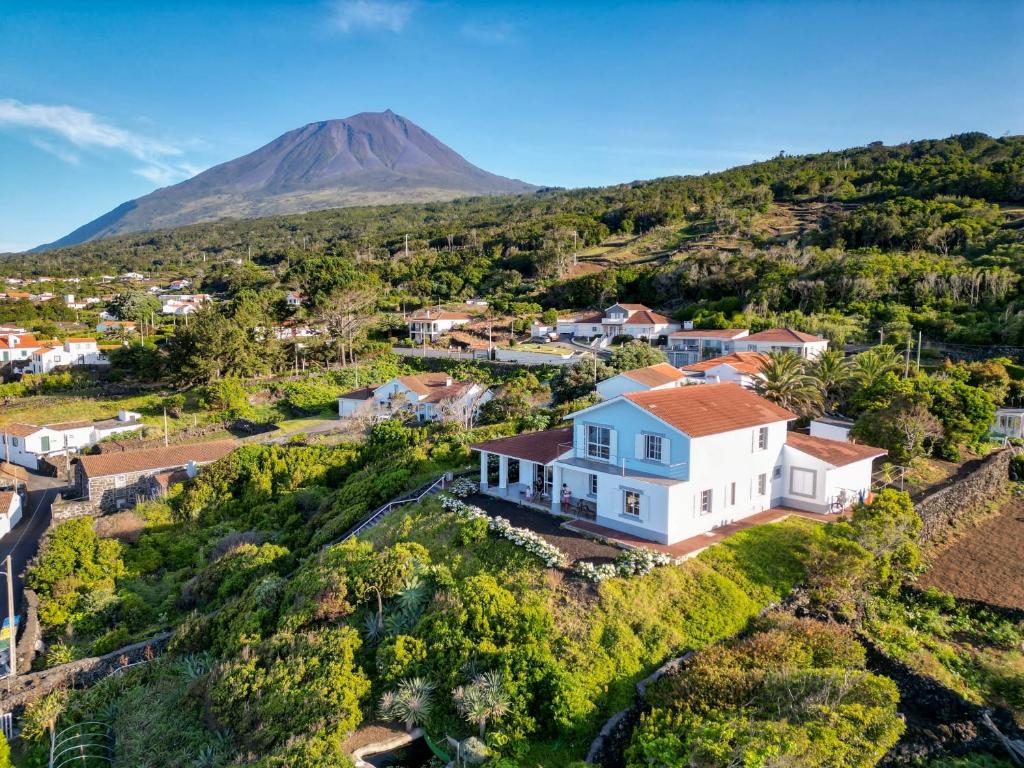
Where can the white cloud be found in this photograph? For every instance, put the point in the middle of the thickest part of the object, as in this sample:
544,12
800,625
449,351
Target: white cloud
389,15
85,131
495,32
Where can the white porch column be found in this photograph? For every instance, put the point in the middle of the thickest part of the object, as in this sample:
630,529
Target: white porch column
483,469
503,472
556,488
526,473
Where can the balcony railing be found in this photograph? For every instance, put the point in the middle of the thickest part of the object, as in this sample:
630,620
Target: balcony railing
625,465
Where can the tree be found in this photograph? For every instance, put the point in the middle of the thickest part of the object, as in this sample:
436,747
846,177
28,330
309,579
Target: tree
482,700
904,428
347,315
579,379
872,364
135,306
833,372
785,381
636,354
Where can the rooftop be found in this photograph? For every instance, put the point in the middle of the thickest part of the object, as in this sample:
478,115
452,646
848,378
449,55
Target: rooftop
655,375
710,333
437,314
709,409
165,457
835,452
744,362
783,335
363,393
541,447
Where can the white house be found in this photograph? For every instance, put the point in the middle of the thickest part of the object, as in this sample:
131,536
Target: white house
634,320
692,346
17,348
783,340
179,307
26,444
73,351
425,396
431,324
743,368
112,326
667,465
658,376
10,511
294,299
1009,422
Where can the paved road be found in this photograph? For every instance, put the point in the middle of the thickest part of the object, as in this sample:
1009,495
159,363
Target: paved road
22,542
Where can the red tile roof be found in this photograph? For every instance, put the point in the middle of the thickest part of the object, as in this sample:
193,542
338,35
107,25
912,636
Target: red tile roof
17,429
23,340
435,386
169,457
7,501
783,335
363,393
655,375
645,316
542,447
709,409
838,453
79,339
744,362
435,314
710,333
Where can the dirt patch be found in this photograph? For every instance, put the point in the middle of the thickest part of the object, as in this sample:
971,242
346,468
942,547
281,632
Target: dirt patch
371,733
986,563
575,545
124,526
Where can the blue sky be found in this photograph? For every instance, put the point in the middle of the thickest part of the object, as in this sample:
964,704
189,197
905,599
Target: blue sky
101,102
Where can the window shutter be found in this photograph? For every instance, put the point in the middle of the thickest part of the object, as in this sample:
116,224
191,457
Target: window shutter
666,450
638,446
613,445
580,440
753,441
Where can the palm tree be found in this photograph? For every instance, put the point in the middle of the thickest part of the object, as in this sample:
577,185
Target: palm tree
872,364
482,700
834,374
411,703
785,381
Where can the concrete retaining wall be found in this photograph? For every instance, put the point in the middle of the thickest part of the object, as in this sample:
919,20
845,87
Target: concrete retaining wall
965,498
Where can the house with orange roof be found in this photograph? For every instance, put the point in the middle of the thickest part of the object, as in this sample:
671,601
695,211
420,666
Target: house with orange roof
806,345
743,368
658,376
16,349
432,324
424,397
633,320
10,510
668,464
71,352
692,345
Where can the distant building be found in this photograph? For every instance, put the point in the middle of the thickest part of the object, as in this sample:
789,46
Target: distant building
692,346
17,348
634,320
659,376
425,397
113,326
784,340
117,480
72,352
743,368
294,299
1009,422
431,324
28,444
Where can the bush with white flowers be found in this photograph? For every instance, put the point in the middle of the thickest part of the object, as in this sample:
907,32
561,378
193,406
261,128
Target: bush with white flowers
595,573
462,487
550,555
639,562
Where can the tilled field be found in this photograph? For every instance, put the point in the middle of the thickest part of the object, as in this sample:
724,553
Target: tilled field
987,562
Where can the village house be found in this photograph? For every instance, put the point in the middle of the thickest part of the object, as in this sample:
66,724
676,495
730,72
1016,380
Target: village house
658,376
743,368
1009,422
114,326
120,479
633,320
805,345
432,324
690,346
10,511
73,351
294,299
425,397
667,465
16,349
28,444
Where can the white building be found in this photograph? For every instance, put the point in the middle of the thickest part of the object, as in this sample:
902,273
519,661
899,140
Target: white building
743,368
783,340
634,320
294,299
27,444
112,326
1009,422
832,427
17,348
431,324
692,346
668,465
425,397
658,376
10,511
72,352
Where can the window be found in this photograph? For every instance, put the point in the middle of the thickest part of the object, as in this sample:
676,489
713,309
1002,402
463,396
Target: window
776,473
14,442
652,447
593,485
599,440
762,484
705,502
44,444
762,439
732,494
631,503
802,482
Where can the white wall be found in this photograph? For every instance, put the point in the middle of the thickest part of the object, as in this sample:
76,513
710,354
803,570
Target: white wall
830,431
9,519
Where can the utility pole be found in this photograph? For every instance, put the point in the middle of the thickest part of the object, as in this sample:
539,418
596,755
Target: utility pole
919,350
906,366
575,260
881,336
407,246
166,440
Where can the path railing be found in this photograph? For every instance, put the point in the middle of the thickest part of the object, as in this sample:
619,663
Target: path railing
85,744
437,485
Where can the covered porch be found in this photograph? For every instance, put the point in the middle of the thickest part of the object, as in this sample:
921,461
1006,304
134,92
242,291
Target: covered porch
521,468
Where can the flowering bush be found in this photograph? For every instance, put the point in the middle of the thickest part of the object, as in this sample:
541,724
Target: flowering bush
595,573
550,555
462,487
638,562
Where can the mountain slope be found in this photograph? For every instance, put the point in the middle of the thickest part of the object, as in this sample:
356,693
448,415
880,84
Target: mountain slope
367,159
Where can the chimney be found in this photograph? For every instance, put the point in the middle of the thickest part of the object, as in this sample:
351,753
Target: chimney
448,381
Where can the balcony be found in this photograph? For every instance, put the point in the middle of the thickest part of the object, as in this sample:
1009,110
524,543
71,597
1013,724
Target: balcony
624,466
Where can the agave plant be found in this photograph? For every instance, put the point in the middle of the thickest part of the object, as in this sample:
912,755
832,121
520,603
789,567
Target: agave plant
482,700
411,703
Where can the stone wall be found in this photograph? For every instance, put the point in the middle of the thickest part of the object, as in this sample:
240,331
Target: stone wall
105,492
30,630
76,674
965,498
62,510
